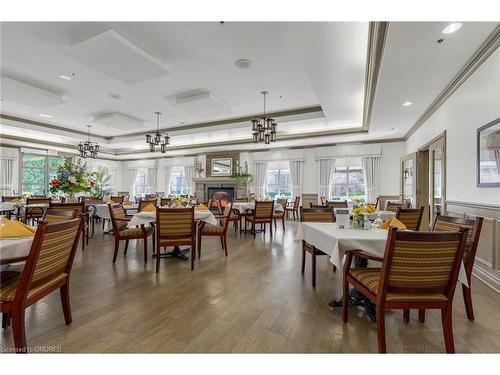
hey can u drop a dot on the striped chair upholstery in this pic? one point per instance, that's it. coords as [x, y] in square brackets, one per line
[217, 230]
[175, 227]
[10, 198]
[393, 206]
[317, 215]
[145, 202]
[55, 215]
[410, 217]
[116, 211]
[47, 268]
[80, 207]
[117, 198]
[419, 270]
[261, 214]
[337, 204]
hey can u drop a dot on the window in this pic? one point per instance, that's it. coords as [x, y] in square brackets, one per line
[141, 182]
[278, 182]
[37, 170]
[177, 183]
[348, 183]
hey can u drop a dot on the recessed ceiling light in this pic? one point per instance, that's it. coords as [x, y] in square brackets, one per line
[243, 63]
[44, 115]
[452, 27]
[407, 103]
[67, 77]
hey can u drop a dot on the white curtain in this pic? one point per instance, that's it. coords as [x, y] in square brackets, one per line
[152, 180]
[132, 176]
[188, 176]
[259, 179]
[371, 171]
[6, 175]
[168, 179]
[296, 168]
[326, 167]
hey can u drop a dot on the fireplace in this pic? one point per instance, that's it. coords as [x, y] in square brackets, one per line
[223, 194]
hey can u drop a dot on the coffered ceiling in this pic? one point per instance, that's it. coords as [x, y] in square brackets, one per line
[316, 74]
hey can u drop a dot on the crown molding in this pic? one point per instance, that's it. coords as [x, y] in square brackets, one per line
[377, 35]
[480, 56]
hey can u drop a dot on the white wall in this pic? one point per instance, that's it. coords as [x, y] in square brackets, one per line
[475, 103]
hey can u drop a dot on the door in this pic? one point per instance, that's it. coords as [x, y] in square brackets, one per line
[408, 178]
[437, 178]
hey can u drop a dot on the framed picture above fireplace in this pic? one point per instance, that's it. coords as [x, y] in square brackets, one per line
[221, 167]
[488, 155]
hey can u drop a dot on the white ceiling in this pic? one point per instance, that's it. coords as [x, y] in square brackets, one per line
[301, 64]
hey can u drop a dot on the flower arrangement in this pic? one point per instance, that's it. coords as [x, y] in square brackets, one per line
[198, 168]
[253, 197]
[71, 178]
[242, 176]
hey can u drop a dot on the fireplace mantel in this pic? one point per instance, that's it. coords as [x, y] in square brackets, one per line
[215, 180]
[201, 184]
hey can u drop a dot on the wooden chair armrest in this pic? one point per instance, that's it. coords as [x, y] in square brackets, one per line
[365, 255]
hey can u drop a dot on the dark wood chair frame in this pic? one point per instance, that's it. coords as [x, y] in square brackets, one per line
[250, 213]
[83, 214]
[400, 210]
[379, 299]
[144, 202]
[293, 207]
[223, 235]
[15, 310]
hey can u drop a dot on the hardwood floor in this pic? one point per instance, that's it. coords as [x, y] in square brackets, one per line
[255, 300]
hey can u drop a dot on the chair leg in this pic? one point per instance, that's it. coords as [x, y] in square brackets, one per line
[421, 316]
[448, 330]
[145, 249]
[303, 261]
[283, 222]
[270, 228]
[158, 259]
[64, 290]
[406, 315]
[117, 245]
[5, 320]
[222, 243]
[468, 301]
[19, 332]
[381, 329]
[345, 300]
[83, 239]
[225, 245]
[313, 271]
[126, 248]
[334, 268]
[275, 226]
[153, 241]
[254, 229]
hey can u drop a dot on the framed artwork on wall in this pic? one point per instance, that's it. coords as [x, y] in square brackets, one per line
[488, 155]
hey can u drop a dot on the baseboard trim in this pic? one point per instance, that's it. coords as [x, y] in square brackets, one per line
[487, 278]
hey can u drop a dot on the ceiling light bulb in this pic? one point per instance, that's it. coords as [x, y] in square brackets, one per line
[44, 115]
[452, 27]
[407, 103]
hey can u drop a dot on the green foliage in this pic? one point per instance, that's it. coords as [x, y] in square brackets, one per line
[242, 176]
[72, 178]
[102, 185]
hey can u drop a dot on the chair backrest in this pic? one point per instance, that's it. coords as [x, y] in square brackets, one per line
[51, 255]
[93, 200]
[449, 223]
[296, 203]
[80, 207]
[10, 198]
[53, 215]
[116, 211]
[227, 214]
[308, 199]
[422, 262]
[175, 223]
[264, 209]
[410, 217]
[323, 200]
[337, 204]
[150, 196]
[377, 202]
[241, 199]
[117, 198]
[393, 206]
[144, 202]
[166, 202]
[215, 205]
[320, 215]
[32, 200]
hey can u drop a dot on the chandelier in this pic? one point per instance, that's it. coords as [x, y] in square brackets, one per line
[88, 149]
[264, 127]
[154, 139]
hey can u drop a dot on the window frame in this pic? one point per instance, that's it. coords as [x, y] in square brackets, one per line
[46, 171]
[281, 189]
[347, 184]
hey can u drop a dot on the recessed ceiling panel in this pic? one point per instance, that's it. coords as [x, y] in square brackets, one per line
[201, 103]
[115, 56]
[118, 121]
[24, 93]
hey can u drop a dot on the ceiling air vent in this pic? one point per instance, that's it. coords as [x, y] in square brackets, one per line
[201, 103]
[119, 121]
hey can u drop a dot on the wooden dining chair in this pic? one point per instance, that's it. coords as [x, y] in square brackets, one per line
[175, 227]
[145, 202]
[377, 203]
[323, 200]
[262, 214]
[337, 204]
[280, 215]
[217, 230]
[419, 271]
[215, 206]
[449, 223]
[316, 215]
[393, 206]
[165, 202]
[47, 268]
[34, 214]
[119, 221]
[80, 207]
[52, 215]
[410, 217]
[117, 198]
[10, 198]
[293, 208]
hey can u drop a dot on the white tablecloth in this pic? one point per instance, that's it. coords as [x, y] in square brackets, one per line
[335, 242]
[150, 216]
[102, 210]
[242, 206]
[15, 247]
[6, 206]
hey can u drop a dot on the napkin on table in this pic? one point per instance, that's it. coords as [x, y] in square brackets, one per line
[149, 208]
[14, 228]
[392, 223]
[202, 207]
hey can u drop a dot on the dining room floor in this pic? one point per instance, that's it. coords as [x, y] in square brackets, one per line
[255, 300]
